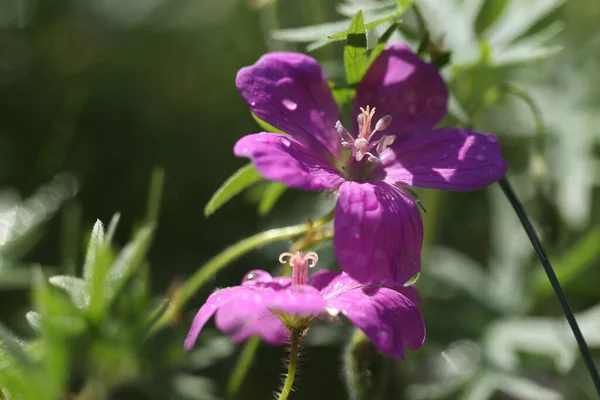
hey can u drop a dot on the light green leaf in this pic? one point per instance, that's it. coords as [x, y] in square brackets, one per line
[155, 190]
[112, 227]
[13, 345]
[96, 240]
[382, 42]
[75, 287]
[128, 261]
[273, 192]
[34, 319]
[267, 127]
[355, 51]
[242, 179]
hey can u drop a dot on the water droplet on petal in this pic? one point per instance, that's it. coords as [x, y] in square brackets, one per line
[285, 142]
[480, 157]
[289, 104]
[252, 104]
[491, 138]
[256, 275]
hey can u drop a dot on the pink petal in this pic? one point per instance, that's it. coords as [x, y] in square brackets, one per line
[400, 84]
[448, 158]
[290, 92]
[388, 318]
[378, 233]
[253, 311]
[214, 301]
[284, 159]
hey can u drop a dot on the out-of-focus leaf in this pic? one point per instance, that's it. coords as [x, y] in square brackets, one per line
[34, 319]
[267, 127]
[458, 270]
[240, 180]
[525, 389]
[517, 18]
[112, 227]
[572, 263]
[13, 345]
[382, 42]
[155, 190]
[96, 240]
[212, 348]
[269, 198]
[192, 387]
[453, 23]
[21, 220]
[506, 339]
[355, 51]
[128, 260]
[75, 287]
[349, 8]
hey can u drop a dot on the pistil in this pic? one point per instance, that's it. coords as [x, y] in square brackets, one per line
[300, 263]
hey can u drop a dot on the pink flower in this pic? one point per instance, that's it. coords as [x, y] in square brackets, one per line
[268, 306]
[392, 145]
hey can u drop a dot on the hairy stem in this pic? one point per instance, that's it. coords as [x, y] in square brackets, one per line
[291, 373]
[535, 241]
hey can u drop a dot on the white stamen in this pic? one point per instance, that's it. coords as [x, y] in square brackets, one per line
[362, 145]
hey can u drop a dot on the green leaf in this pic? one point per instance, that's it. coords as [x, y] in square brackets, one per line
[13, 345]
[155, 190]
[96, 240]
[269, 198]
[355, 51]
[75, 287]
[344, 34]
[128, 260]
[382, 42]
[240, 180]
[571, 264]
[112, 227]
[267, 127]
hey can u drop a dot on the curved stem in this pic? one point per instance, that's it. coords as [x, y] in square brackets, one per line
[291, 374]
[242, 367]
[221, 260]
[535, 241]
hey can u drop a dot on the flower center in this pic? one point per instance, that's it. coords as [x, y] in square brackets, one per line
[362, 145]
[300, 263]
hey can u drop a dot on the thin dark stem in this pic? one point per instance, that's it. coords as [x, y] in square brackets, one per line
[535, 241]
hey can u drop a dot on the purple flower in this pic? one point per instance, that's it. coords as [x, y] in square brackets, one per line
[378, 231]
[268, 307]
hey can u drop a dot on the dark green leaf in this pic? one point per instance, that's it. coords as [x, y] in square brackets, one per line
[242, 179]
[355, 51]
[155, 190]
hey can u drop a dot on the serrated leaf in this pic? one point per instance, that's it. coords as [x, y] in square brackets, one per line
[242, 179]
[96, 240]
[382, 42]
[355, 51]
[75, 287]
[267, 127]
[269, 198]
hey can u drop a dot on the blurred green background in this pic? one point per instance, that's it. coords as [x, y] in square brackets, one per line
[101, 91]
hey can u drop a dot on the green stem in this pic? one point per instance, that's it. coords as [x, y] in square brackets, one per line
[242, 367]
[291, 374]
[221, 260]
